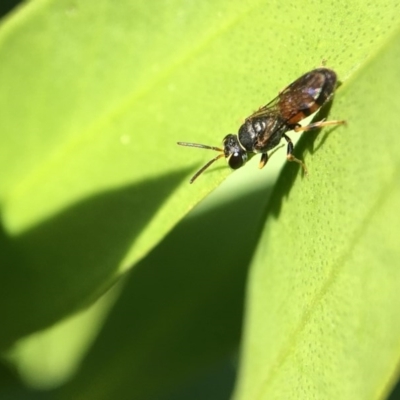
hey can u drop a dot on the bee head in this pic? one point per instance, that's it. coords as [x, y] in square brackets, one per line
[234, 153]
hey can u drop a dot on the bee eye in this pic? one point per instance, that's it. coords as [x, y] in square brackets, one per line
[236, 161]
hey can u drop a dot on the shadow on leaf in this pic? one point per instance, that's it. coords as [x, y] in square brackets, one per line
[47, 271]
[180, 311]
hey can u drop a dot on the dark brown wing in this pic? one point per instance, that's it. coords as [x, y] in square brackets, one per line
[306, 95]
[301, 98]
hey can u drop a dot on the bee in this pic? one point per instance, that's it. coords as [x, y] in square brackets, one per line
[263, 130]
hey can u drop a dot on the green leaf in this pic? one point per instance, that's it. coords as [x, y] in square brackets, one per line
[95, 180]
[93, 166]
[322, 312]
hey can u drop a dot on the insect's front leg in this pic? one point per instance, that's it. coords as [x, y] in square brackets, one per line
[290, 156]
[263, 160]
[319, 124]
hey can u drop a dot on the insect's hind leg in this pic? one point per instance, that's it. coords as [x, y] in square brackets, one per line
[318, 124]
[291, 157]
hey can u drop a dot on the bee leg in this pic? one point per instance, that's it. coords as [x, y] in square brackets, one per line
[319, 124]
[290, 156]
[263, 160]
[265, 157]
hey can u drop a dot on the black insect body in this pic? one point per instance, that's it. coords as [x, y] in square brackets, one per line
[264, 129]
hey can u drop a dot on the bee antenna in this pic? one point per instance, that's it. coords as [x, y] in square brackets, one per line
[203, 146]
[200, 146]
[202, 169]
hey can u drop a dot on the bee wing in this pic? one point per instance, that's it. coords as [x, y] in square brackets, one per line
[293, 101]
[297, 102]
[301, 98]
[269, 110]
[306, 95]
